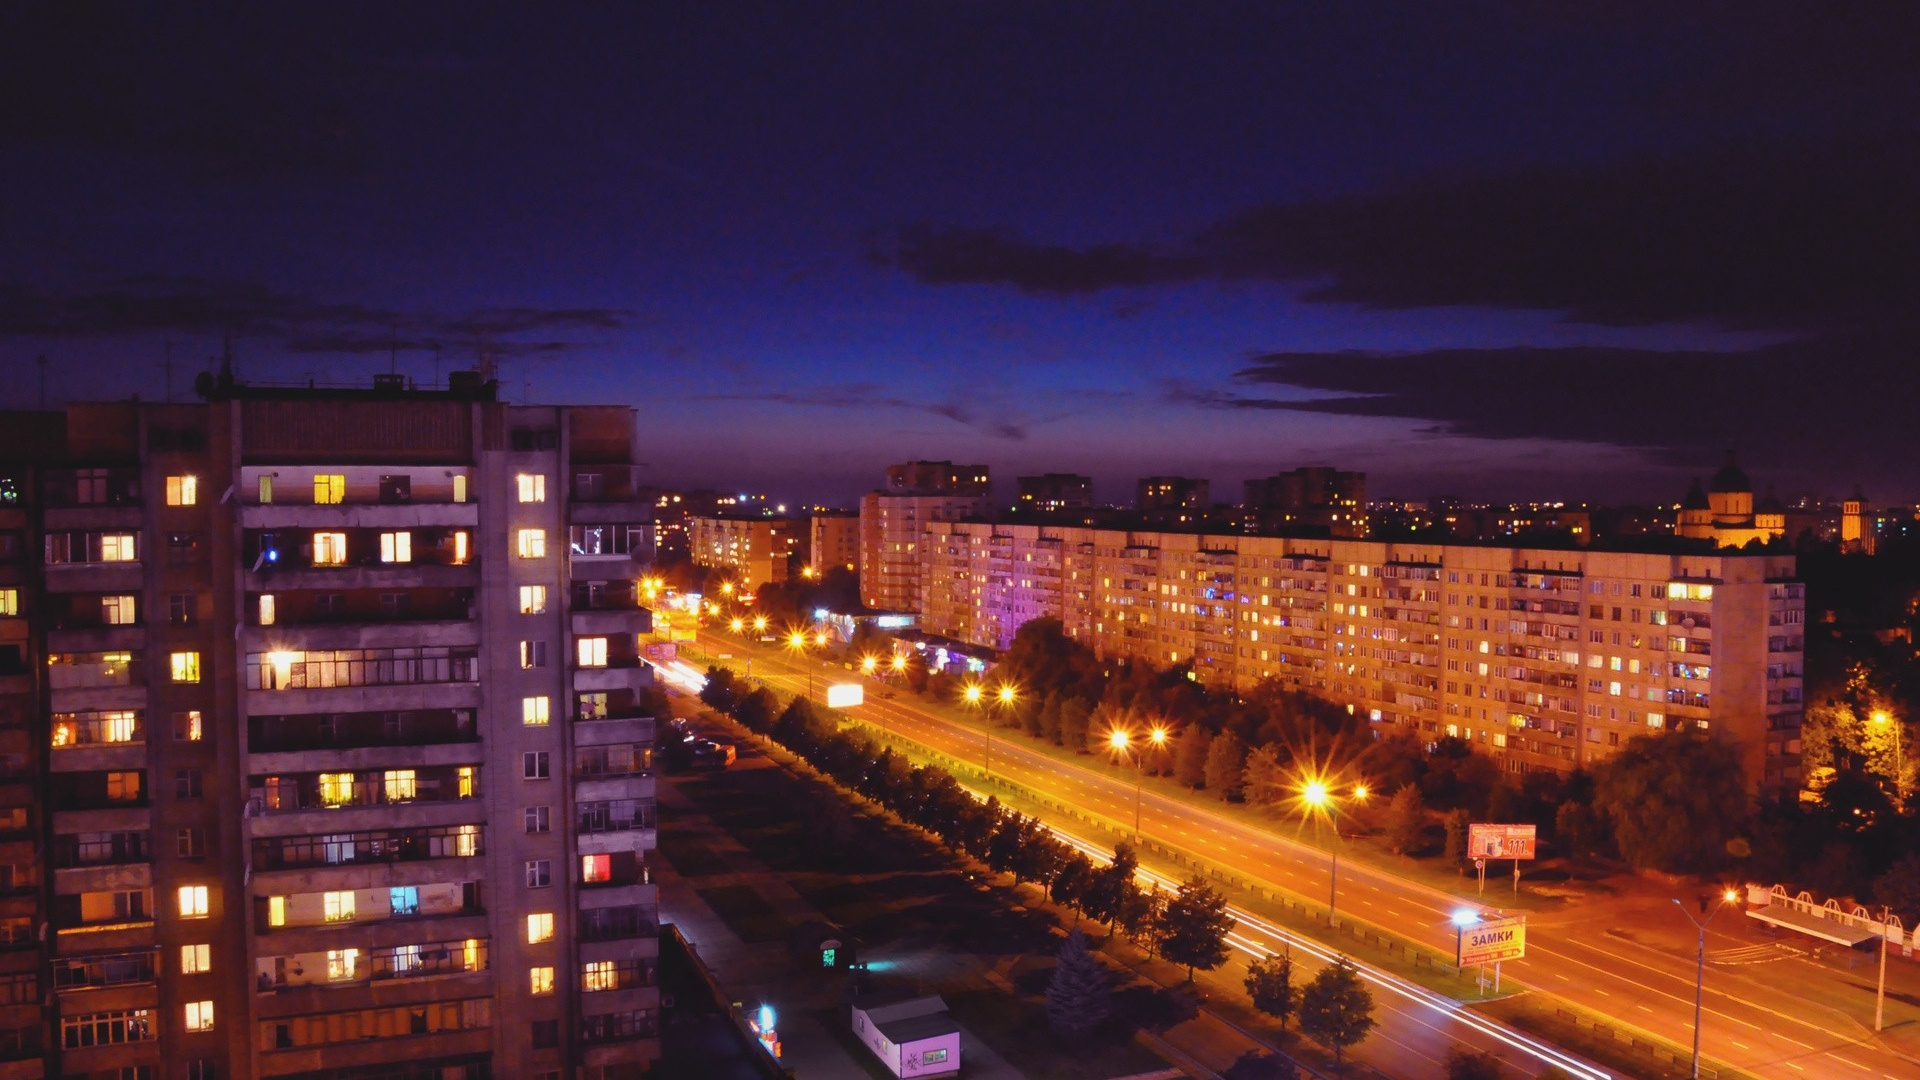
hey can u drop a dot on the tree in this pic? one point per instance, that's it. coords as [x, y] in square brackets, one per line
[1226, 764]
[1110, 884]
[1075, 714]
[1270, 985]
[1194, 927]
[1190, 756]
[1078, 995]
[719, 692]
[1465, 1064]
[1140, 914]
[1071, 882]
[1899, 888]
[1675, 799]
[1457, 822]
[1050, 719]
[1407, 820]
[757, 710]
[1579, 829]
[1336, 1008]
[1266, 777]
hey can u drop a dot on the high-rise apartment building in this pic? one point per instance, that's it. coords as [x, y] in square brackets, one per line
[1161, 493]
[835, 541]
[339, 705]
[752, 550]
[1052, 491]
[1315, 498]
[917, 493]
[1548, 658]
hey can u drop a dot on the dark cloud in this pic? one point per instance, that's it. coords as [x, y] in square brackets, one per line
[1806, 409]
[1772, 236]
[873, 396]
[155, 304]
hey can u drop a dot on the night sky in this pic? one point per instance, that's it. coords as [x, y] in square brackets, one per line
[1479, 249]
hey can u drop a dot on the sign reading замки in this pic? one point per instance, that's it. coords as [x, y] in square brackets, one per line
[1493, 940]
[1500, 841]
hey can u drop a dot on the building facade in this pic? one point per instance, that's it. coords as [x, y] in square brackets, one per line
[834, 541]
[753, 550]
[1052, 491]
[1547, 658]
[348, 773]
[917, 493]
[1315, 497]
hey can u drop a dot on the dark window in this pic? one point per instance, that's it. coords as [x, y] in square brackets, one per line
[396, 489]
[186, 783]
[546, 1033]
[192, 843]
[180, 609]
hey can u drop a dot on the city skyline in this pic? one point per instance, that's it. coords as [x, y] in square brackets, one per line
[1501, 254]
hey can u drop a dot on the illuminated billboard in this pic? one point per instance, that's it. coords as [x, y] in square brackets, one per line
[1493, 940]
[1500, 841]
[845, 695]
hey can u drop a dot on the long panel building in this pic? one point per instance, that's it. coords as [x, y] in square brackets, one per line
[1548, 658]
[335, 701]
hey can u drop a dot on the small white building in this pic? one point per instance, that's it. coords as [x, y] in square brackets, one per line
[914, 1037]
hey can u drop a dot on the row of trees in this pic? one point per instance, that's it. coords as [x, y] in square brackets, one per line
[1188, 927]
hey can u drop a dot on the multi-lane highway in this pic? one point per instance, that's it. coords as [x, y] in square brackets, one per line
[1788, 1018]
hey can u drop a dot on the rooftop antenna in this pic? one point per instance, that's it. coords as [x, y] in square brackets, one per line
[436, 363]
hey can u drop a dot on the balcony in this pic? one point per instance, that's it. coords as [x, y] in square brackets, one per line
[408, 605]
[96, 972]
[345, 790]
[345, 968]
[340, 731]
[616, 924]
[615, 815]
[372, 847]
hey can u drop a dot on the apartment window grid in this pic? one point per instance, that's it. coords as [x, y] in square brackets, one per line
[530, 543]
[533, 599]
[536, 711]
[538, 819]
[183, 490]
[539, 873]
[535, 765]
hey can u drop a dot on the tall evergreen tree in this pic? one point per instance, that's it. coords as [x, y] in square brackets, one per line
[1190, 756]
[1266, 781]
[1226, 764]
[1336, 1008]
[1406, 820]
[1079, 996]
[1194, 927]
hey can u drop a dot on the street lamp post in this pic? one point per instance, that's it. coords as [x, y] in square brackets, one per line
[1319, 798]
[1122, 743]
[1881, 716]
[1700, 966]
[797, 642]
[972, 697]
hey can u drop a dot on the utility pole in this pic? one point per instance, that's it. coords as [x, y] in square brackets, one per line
[1700, 968]
[1880, 992]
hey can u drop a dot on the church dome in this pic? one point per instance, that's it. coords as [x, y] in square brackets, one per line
[1729, 478]
[1696, 498]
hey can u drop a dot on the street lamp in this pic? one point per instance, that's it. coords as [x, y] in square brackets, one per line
[760, 623]
[1319, 798]
[737, 625]
[1700, 965]
[971, 695]
[1122, 743]
[797, 644]
[868, 664]
[1882, 717]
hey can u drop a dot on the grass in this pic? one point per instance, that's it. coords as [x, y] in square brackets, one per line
[1018, 1029]
[745, 912]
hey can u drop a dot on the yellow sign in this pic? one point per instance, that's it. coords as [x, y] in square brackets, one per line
[1493, 940]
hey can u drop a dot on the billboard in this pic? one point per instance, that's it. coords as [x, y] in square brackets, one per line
[845, 695]
[1493, 940]
[1500, 841]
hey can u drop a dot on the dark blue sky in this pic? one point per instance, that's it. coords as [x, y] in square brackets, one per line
[1486, 249]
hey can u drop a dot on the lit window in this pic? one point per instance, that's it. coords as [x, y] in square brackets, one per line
[338, 905]
[266, 490]
[533, 599]
[534, 711]
[329, 489]
[117, 610]
[342, 964]
[404, 900]
[532, 489]
[470, 955]
[400, 785]
[117, 547]
[460, 548]
[533, 654]
[9, 601]
[193, 901]
[276, 911]
[466, 842]
[464, 784]
[460, 488]
[539, 927]
[396, 547]
[185, 667]
[596, 868]
[183, 490]
[336, 788]
[598, 975]
[268, 609]
[329, 549]
[196, 959]
[187, 726]
[531, 543]
[199, 1016]
[593, 651]
[405, 958]
[542, 981]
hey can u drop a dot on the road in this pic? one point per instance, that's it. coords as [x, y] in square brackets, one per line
[1774, 1015]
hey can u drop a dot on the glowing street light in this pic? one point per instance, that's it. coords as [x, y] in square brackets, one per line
[1700, 964]
[1120, 741]
[1319, 798]
[900, 663]
[737, 625]
[1006, 694]
[868, 663]
[760, 622]
[797, 643]
[1882, 718]
[971, 695]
